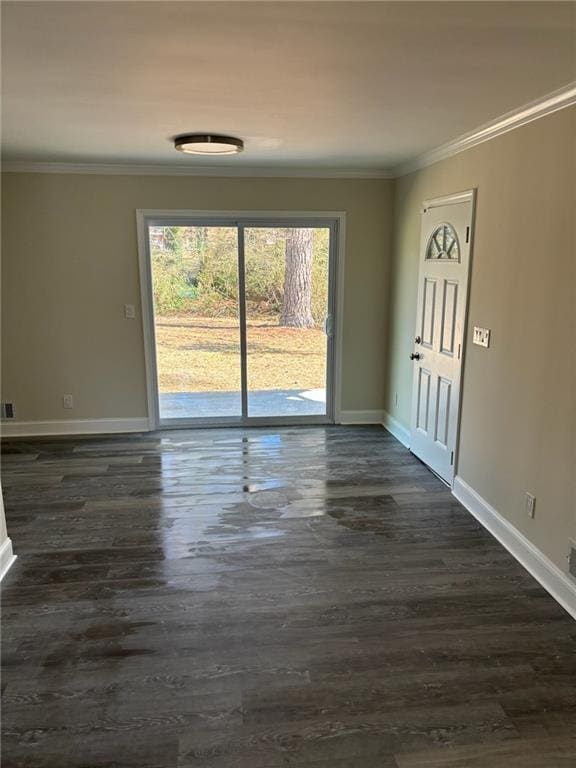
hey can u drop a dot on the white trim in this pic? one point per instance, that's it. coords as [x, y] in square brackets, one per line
[247, 217]
[361, 417]
[148, 326]
[552, 102]
[7, 557]
[468, 196]
[472, 193]
[335, 219]
[554, 581]
[225, 171]
[398, 430]
[339, 288]
[73, 427]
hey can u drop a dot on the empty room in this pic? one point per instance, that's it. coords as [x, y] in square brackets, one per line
[288, 384]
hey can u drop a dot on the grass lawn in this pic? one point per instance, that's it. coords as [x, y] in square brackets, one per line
[202, 354]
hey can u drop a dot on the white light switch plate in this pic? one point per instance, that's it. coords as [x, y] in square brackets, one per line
[481, 337]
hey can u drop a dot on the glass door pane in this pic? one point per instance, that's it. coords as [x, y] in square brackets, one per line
[287, 289]
[195, 288]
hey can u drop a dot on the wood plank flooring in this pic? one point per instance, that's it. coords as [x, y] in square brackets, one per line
[309, 597]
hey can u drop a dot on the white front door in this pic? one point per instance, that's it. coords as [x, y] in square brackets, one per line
[440, 319]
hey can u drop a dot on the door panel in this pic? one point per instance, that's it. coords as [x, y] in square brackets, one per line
[441, 311]
[450, 305]
[197, 325]
[423, 414]
[443, 411]
[428, 312]
[287, 302]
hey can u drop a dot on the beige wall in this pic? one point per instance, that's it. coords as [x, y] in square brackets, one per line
[518, 417]
[70, 264]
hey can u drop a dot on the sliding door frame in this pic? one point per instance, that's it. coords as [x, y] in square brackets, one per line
[335, 221]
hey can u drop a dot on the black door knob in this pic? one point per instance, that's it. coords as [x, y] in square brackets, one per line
[415, 356]
[418, 339]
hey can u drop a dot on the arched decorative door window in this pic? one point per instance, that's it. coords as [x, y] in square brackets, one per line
[443, 244]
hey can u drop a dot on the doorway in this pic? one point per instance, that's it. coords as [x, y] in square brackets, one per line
[438, 352]
[239, 317]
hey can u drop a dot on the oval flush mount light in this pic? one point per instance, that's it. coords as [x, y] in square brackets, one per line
[208, 144]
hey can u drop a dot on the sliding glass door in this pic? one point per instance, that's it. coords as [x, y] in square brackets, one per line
[196, 321]
[286, 292]
[241, 319]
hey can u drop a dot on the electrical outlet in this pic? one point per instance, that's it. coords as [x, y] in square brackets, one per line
[67, 401]
[531, 505]
[129, 311]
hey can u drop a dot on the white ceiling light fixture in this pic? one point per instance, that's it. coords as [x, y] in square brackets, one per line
[208, 144]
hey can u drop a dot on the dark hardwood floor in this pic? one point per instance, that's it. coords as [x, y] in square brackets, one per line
[307, 597]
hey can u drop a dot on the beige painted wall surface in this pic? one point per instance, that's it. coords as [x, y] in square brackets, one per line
[518, 419]
[70, 264]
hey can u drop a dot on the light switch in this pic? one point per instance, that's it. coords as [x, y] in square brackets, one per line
[129, 311]
[481, 337]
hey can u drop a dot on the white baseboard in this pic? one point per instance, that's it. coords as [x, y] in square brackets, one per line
[73, 427]
[558, 584]
[398, 430]
[361, 417]
[7, 557]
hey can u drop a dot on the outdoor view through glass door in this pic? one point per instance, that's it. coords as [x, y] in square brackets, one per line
[286, 309]
[197, 321]
[240, 319]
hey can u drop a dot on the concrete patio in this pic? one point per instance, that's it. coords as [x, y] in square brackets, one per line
[275, 402]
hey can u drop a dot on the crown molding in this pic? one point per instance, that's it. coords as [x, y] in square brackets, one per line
[126, 169]
[552, 102]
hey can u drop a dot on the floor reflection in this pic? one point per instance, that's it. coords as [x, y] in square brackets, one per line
[264, 598]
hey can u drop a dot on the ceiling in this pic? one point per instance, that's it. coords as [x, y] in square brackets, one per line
[319, 84]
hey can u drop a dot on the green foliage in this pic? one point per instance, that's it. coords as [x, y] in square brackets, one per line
[195, 271]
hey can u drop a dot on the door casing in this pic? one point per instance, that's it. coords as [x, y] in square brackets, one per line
[335, 220]
[468, 196]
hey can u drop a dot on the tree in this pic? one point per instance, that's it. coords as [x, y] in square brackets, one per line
[297, 304]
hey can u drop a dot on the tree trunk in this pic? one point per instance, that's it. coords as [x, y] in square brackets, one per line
[297, 305]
